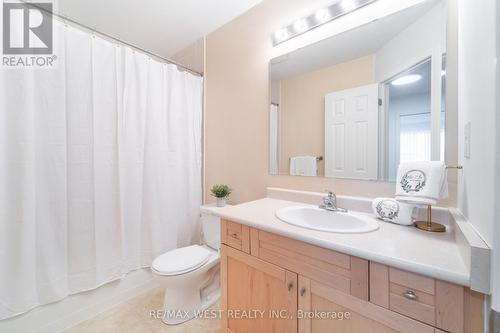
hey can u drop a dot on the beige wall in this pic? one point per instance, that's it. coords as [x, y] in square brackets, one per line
[193, 56]
[237, 106]
[302, 107]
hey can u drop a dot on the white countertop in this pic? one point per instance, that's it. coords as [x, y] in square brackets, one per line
[432, 254]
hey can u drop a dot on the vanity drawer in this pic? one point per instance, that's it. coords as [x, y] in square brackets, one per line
[340, 271]
[235, 235]
[428, 300]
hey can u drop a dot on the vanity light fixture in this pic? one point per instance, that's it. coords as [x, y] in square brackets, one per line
[300, 25]
[407, 79]
[320, 17]
[348, 5]
[280, 35]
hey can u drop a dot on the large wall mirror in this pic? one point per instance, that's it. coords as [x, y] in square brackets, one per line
[357, 104]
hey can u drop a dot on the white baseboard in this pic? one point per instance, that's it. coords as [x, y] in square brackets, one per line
[74, 309]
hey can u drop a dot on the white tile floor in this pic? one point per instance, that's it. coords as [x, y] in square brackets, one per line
[134, 317]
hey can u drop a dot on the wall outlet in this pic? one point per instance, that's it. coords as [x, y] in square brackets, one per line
[467, 140]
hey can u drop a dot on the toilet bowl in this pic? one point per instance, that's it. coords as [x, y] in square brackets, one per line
[190, 275]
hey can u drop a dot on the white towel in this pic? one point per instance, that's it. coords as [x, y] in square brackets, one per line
[422, 182]
[303, 166]
[390, 210]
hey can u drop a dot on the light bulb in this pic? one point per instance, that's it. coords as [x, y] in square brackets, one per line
[347, 5]
[322, 15]
[300, 25]
[281, 34]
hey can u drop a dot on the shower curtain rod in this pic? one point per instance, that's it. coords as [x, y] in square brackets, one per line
[67, 19]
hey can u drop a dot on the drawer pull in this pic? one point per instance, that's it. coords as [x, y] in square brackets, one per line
[290, 286]
[410, 295]
[233, 234]
[302, 291]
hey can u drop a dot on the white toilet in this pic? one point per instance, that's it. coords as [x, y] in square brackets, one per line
[190, 274]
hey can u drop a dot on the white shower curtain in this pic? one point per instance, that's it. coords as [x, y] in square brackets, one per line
[100, 168]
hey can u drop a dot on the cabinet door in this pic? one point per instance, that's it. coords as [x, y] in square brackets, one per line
[324, 309]
[256, 296]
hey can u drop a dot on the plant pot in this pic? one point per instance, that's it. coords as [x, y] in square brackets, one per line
[221, 202]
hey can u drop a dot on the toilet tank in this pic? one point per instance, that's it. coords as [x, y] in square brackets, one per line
[210, 224]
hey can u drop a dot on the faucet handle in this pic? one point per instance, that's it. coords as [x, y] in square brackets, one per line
[330, 194]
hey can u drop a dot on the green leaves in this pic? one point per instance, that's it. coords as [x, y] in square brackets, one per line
[220, 191]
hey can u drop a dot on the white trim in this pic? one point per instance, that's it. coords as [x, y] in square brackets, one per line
[408, 65]
[436, 97]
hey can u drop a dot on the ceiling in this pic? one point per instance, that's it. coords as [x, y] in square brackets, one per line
[163, 27]
[422, 86]
[365, 40]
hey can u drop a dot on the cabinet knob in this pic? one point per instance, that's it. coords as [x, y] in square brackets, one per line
[409, 294]
[302, 291]
[290, 286]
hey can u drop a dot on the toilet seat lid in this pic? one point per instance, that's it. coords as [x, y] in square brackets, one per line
[182, 260]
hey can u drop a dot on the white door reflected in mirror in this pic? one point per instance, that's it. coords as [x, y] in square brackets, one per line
[351, 133]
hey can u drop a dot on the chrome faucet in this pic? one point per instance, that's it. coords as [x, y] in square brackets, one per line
[330, 203]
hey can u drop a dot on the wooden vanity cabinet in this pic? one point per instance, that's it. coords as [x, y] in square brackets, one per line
[347, 313]
[447, 306]
[257, 296]
[235, 235]
[288, 282]
[340, 271]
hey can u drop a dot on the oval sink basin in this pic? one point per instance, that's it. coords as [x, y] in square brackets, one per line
[315, 218]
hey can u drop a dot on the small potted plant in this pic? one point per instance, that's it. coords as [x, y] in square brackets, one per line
[221, 192]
